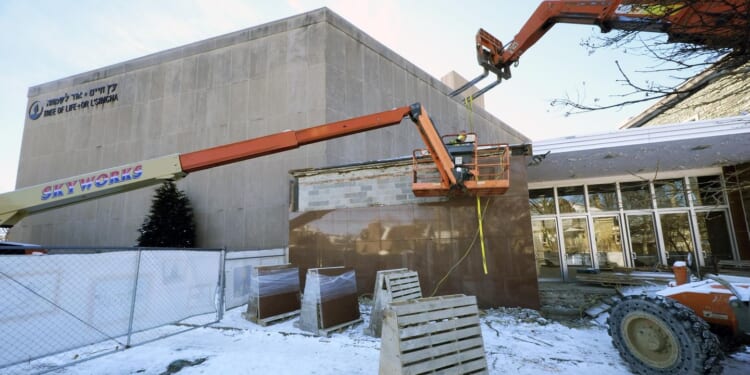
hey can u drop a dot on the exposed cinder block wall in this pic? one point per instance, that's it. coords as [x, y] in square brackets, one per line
[302, 71]
[356, 186]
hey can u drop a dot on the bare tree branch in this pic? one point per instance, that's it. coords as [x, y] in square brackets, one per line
[682, 54]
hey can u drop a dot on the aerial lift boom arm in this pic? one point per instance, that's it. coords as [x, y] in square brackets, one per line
[714, 23]
[17, 204]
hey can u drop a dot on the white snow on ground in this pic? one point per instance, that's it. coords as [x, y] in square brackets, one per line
[517, 341]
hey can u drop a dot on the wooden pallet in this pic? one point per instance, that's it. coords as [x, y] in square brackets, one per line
[620, 278]
[737, 264]
[338, 328]
[391, 286]
[433, 335]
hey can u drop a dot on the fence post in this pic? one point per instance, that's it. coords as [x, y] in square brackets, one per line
[132, 300]
[221, 288]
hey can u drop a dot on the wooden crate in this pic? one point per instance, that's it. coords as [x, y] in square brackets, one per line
[391, 286]
[433, 335]
[274, 294]
[330, 300]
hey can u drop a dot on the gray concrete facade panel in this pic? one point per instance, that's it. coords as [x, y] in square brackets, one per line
[290, 74]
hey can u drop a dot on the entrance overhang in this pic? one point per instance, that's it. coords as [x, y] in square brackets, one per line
[638, 151]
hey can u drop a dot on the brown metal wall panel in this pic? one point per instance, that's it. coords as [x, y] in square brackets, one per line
[277, 289]
[430, 239]
[278, 304]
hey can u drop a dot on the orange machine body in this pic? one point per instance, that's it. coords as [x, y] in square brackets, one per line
[709, 300]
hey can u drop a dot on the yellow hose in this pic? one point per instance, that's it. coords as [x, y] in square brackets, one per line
[469, 102]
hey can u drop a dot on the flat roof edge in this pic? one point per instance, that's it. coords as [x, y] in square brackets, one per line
[646, 135]
[206, 45]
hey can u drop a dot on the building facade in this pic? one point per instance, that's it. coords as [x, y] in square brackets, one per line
[302, 71]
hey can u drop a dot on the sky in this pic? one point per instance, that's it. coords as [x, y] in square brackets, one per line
[43, 41]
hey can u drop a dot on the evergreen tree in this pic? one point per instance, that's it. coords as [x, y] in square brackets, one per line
[170, 221]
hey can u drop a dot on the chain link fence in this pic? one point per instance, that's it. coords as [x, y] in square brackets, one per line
[93, 302]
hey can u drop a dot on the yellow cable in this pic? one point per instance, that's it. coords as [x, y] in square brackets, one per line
[469, 102]
[466, 253]
[481, 235]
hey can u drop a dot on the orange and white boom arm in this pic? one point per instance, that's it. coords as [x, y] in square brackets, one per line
[17, 204]
[715, 23]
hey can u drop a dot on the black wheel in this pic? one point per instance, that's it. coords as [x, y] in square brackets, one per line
[657, 335]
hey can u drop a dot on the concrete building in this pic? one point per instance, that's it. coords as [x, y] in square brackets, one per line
[631, 198]
[295, 73]
[302, 71]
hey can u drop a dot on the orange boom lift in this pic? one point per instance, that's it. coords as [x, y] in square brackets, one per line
[439, 170]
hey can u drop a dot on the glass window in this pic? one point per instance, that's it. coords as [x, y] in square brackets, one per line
[635, 195]
[715, 241]
[603, 197]
[577, 248]
[542, 201]
[706, 191]
[571, 199]
[678, 239]
[670, 193]
[546, 249]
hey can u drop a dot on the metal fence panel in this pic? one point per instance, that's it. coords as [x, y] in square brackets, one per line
[174, 285]
[54, 303]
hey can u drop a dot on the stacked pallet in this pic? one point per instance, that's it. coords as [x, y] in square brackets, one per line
[433, 335]
[391, 286]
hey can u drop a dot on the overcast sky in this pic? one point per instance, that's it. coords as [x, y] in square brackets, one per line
[43, 41]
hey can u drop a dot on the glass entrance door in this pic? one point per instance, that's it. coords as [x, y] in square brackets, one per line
[546, 249]
[607, 237]
[642, 235]
[577, 247]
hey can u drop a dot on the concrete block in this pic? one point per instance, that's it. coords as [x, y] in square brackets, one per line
[220, 68]
[297, 47]
[156, 89]
[335, 86]
[172, 78]
[240, 63]
[203, 72]
[354, 96]
[143, 86]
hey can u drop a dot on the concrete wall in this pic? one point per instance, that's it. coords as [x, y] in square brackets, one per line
[362, 76]
[298, 72]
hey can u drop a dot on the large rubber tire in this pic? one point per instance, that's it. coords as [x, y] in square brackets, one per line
[657, 335]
